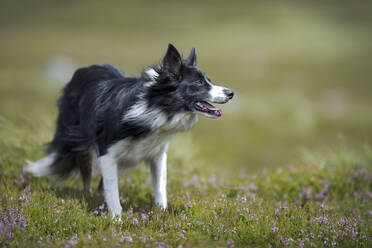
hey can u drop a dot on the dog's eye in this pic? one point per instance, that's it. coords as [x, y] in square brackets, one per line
[199, 83]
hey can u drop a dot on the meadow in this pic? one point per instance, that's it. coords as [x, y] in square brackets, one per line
[288, 164]
[325, 202]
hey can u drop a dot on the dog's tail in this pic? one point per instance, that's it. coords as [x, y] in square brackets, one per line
[42, 167]
[52, 164]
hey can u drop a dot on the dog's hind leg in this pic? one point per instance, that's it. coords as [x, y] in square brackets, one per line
[85, 164]
[100, 185]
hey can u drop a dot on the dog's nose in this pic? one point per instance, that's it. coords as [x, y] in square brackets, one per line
[229, 93]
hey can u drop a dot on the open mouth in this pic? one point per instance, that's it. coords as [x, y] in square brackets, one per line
[208, 109]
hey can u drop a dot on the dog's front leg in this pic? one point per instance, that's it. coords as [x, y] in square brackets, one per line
[109, 171]
[158, 167]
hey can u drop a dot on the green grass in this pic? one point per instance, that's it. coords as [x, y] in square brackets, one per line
[326, 202]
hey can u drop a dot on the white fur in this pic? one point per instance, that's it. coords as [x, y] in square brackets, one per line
[152, 148]
[41, 167]
[132, 151]
[136, 111]
[109, 171]
[181, 122]
[140, 112]
[155, 118]
[158, 167]
[153, 75]
[217, 94]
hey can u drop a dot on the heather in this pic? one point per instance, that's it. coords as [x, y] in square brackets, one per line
[325, 202]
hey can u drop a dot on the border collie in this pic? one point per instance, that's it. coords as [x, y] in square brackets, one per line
[126, 120]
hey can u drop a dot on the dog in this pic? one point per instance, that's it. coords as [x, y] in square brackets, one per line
[127, 120]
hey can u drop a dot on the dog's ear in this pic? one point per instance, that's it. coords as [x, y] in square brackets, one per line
[191, 60]
[172, 60]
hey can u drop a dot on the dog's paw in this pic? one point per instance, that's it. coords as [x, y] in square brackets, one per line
[117, 219]
[163, 206]
[116, 214]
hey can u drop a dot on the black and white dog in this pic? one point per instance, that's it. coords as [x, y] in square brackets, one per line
[127, 120]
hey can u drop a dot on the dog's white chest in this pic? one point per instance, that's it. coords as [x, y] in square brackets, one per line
[129, 152]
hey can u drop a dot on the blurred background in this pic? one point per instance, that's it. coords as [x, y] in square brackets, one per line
[301, 70]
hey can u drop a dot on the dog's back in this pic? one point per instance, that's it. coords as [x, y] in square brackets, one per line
[76, 102]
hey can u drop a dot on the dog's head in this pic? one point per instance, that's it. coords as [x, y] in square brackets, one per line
[180, 85]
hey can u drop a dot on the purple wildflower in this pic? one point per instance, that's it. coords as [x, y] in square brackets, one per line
[126, 238]
[353, 233]
[194, 181]
[212, 179]
[368, 194]
[341, 222]
[284, 240]
[252, 196]
[322, 193]
[74, 239]
[230, 243]
[252, 187]
[144, 239]
[134, 221]
[301, 244]
[356, 193]
[143, 216]
[27, 190]
[21, 178]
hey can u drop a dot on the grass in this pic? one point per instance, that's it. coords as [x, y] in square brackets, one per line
[326, 202]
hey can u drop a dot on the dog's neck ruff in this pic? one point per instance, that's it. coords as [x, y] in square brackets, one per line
[157, 120]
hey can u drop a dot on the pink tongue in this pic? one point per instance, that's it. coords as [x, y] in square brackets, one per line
[212, 108]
